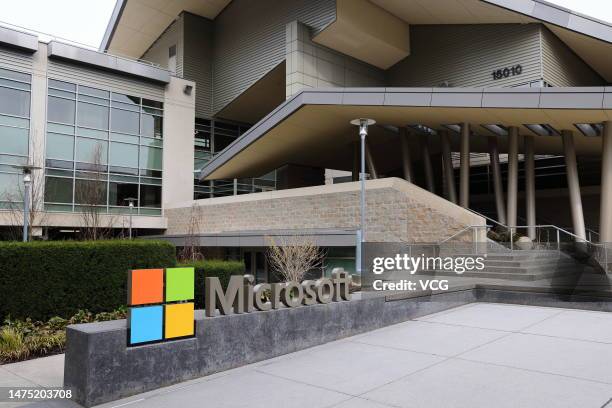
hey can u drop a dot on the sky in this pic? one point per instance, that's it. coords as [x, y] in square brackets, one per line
[85, 21]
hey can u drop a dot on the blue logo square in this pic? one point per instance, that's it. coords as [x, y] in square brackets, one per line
[146, 324]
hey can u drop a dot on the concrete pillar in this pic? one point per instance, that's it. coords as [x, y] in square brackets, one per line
[497, 180]
[406, 160]
[447, 160]
[464, 170]
[370, 162]
[513, 134]
[605, 211]
[426, 156]
[530, 187]
[573, 184]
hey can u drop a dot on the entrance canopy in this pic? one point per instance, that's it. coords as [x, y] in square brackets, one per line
[312, 128]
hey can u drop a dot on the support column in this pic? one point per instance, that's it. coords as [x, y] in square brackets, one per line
[605, 210]
[464, 170]
[497, 180]
[406, 160]
[447, 160]
[513, 134]
[530, 187]
[573, 184]
[370, 162]
[429, 177]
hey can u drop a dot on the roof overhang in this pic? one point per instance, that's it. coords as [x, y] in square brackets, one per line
[18, 39]
[107, 62]
[313, 129]
[136, 24]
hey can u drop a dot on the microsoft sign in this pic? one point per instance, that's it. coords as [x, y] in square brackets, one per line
[161, 301]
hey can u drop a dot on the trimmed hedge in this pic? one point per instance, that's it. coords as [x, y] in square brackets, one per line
[44, 279]
[213, 267]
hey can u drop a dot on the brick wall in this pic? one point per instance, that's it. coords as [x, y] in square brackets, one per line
[395, 211]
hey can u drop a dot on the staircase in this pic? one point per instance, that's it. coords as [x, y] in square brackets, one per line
[530, 265]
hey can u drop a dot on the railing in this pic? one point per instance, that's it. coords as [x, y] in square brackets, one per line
[477, 239]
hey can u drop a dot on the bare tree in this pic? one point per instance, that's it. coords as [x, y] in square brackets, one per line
[293, 257]
[90, 195]
[191, 251]
[15, 199]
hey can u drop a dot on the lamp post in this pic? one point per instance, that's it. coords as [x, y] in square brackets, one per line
[27, 184]
[363, 124]
[130, 201]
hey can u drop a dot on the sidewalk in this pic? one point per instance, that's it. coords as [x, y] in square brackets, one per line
[478, 355]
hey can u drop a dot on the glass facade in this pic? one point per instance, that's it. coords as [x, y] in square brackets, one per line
[102, 147]
[15, 89]
[211, 137]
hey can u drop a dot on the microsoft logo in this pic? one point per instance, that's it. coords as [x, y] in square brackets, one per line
[160, 304]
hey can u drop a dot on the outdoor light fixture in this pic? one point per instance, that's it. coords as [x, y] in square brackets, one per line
[363, 124]
[542, 129]
[130, 201]
[27, 183]
[590, 129]
[454, 128]
[423, 129]
[188, 89]
[499, 130]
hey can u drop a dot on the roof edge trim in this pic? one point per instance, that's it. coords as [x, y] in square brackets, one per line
[112, 24]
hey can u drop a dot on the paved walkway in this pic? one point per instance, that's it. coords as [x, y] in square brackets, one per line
[478, 355]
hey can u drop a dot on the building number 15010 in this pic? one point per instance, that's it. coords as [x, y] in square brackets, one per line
[507, 72]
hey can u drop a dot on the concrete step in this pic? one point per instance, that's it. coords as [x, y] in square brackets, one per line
[530, 276]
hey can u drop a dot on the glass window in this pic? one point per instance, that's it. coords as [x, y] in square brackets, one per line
[152, 125]
[14, 102]
[60, 110]
[91, 151]
[86, 90]
[222, 141]
[18, 76]
[91, 192]
[127, 99]
[60, 146]
[153, 104]
[92, 116]
[54, 83]
[150, 196]
[96, 134]
[58, 190]
[118, 192]
[57, 128]
[14, 84]
[13, 140]
[10, 187]
[150, 158]
[124, 121]
[124, 155]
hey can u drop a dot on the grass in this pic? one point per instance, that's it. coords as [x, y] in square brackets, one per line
[24, 339]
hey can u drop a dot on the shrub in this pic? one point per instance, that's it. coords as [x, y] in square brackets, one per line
[43, 279]
[209, 268]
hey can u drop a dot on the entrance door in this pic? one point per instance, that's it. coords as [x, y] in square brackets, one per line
[255, 264]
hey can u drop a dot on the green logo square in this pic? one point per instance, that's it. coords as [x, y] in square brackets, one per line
[179, 284]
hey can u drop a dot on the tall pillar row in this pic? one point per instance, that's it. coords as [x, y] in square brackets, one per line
[447, 160]
[405, 150]
[464, 169]
[426, 156]
[513, 134]
[605, 211]
[530, 187]
[573, 184]
[497, 180]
